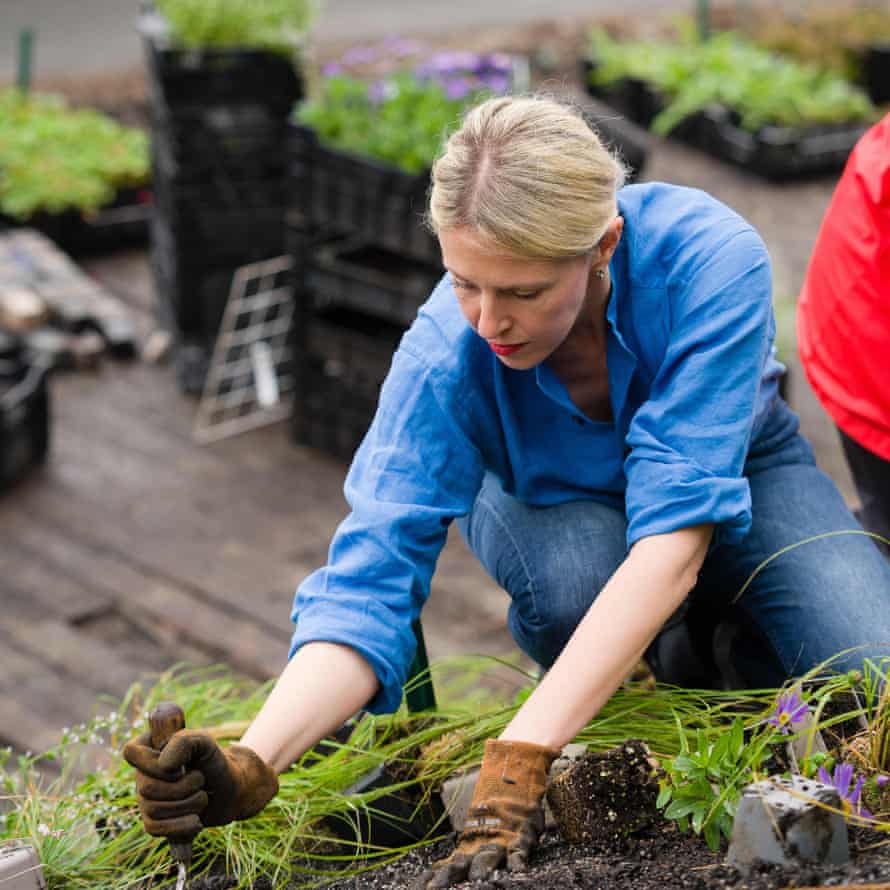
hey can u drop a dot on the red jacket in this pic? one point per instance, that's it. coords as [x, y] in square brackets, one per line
[843, 316]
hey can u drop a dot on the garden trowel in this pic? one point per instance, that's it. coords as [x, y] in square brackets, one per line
[164, 720]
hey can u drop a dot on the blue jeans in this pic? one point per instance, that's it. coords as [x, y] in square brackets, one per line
[805, 606]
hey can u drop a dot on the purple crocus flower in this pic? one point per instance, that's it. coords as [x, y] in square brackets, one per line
[360, 55]
[497, 83]
[379, 91]
[331, 69]
[882, 780]
[850, 799]
[790, 709]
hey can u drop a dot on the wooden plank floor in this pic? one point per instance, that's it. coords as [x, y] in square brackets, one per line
[135, 548]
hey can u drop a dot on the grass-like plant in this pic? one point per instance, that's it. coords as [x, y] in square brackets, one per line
[761, 87]
[53, 157]
[274, 25]
[88, 832]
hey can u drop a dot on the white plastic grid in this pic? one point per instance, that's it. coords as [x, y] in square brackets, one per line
[250, 381]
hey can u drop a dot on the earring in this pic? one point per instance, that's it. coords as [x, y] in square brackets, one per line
[600, 273]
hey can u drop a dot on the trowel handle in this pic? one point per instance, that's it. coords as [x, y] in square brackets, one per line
[164, 720]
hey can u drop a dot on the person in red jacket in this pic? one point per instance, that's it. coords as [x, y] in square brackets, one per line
[843, 321]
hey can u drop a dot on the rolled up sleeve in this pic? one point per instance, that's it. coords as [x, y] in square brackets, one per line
[688, 441]
[415, 471]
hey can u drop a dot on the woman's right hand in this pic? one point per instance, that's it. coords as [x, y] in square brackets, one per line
[194, 783]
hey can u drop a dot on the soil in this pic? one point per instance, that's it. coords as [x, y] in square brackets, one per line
[606, 804]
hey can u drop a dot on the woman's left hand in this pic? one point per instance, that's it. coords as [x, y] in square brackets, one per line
[504, 819]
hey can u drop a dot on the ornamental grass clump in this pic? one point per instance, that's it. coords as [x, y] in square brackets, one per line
[55, 158]
[761, 88]
[87, 830]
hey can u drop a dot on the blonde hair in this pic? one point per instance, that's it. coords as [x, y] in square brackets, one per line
[529, 174]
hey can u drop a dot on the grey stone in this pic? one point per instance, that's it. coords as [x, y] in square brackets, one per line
[788, 821]
[20, 868]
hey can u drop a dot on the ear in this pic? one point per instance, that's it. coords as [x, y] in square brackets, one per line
[610, 239]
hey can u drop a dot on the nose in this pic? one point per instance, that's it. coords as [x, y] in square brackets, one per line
[492, 320]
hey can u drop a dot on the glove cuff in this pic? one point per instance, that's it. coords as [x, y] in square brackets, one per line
[514, 769]
[255, 780]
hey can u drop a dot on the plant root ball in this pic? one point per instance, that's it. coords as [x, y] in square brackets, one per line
[605, 797]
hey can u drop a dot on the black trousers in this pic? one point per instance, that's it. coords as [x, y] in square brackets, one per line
[871, 474]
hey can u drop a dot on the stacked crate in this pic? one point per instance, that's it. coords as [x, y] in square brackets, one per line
[219, 160]
[367, 265]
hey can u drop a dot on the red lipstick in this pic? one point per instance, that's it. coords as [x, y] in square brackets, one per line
[505, 350]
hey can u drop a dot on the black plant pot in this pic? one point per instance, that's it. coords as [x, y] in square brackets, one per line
[393, 820]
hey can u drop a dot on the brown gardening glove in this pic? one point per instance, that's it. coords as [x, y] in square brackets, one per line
[504, 819]
[194, 784]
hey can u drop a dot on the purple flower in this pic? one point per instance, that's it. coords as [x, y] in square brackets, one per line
[331, 69]
[457, 88]
[360, 55]
[850, 800]
[400, 47]
[882, 780]
[790, 709]
[379, 91]
[497, 83]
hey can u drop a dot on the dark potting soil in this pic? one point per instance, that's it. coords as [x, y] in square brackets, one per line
[656, 858]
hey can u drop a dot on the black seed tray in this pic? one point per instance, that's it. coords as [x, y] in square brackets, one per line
[363, 196]
[24, 412]
[371, 279]
[122, 223]
[776, 153]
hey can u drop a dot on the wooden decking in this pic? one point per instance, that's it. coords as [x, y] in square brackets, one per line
[135, 548]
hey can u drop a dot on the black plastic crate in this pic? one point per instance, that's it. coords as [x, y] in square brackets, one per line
[370, 279]
[244, 142]
[24, 412]
[362, 196]
[191, 79]
[342, 362]
[876, 70]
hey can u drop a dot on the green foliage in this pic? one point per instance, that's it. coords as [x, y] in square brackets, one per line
[761, 87]
[704, 782]
[831, 37]
[404, 124]
[275, 25]
[53, 157]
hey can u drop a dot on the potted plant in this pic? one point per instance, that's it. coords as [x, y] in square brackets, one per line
[727, 96]
[75, 174]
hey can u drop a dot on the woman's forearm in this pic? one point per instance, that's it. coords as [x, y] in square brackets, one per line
[636, 601]
[322, 686]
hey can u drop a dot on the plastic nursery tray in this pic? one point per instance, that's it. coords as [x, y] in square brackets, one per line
[121, 223]
[362, 196]
[371, 279]
[24, 412]
[772, 152]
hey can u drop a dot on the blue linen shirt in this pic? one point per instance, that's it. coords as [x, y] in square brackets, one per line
[691, 372]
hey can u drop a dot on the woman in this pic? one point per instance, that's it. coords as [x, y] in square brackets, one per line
[843, 320]
[591, 393]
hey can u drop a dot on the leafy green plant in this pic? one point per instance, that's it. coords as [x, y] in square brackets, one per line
[401, 121]
[53, 157]
[728, 70]
[704, 782]
[275, 25]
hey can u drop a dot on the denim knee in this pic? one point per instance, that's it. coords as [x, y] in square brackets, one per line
[552, 561]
